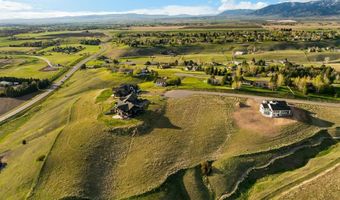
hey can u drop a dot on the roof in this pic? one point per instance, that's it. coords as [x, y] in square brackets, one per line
[278, 105]
[265, 105]
[130, 98]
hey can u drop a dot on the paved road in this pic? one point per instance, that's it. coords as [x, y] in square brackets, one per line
[47, 92]
[186, 93]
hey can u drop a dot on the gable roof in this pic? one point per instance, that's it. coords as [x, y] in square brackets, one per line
[278, 105]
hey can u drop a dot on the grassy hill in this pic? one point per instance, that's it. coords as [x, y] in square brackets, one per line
[84, 156]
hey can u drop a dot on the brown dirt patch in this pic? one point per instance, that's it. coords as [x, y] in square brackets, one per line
[7, 104]
[249, 117]
[48, 69]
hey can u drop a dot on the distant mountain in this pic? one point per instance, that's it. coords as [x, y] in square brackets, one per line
[313, 9]
[323, 8]
[237, 12]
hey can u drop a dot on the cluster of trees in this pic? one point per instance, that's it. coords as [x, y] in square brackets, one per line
[174, 81]
[139, 39]
[91, 42]
[68, 49]
[305, 79]
[190, 63]
[216, 71]
[26, 86]
[43, 44]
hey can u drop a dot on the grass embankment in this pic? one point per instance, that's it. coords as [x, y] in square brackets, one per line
[88, 160]
[280, 184]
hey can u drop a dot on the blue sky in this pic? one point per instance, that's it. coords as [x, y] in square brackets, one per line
[11, 9]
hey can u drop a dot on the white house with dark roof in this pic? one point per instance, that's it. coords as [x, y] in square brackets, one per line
[275, 109]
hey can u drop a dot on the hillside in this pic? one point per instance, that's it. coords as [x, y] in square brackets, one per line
[295, 9]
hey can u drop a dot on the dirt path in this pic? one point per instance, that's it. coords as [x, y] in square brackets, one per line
[186, 93]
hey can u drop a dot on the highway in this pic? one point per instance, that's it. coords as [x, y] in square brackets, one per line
[49, 91]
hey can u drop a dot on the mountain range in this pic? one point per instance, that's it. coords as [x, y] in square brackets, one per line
[312, 9]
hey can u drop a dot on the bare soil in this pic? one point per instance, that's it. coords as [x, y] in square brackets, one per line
[249, 117]
[7, 104]
[48, 69]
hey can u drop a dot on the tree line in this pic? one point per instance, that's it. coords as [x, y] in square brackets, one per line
[26, 86]
[140, 39]
[37, 44]
[68, 49]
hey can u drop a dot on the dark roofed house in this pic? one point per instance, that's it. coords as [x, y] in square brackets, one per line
[161, 82]
[275, 109]
[261, 84]
[144, 72]
[165, 66]
[130, 106]
[126, 89]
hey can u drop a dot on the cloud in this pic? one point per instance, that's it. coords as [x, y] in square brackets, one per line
[6, 5]
[177, 10]
[167, 10]
[233, 5]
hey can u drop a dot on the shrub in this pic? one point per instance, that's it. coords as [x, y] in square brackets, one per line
[206, 168]
[41, 158]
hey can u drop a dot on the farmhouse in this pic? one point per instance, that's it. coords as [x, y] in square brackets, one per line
[130, 106]
[275, 109]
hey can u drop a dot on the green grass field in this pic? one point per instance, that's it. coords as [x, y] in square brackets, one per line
[28, 68]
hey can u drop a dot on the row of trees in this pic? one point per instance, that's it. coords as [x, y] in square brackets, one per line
[68, 49]
[26, 86]
[137, 39]
[43, 44]
[91, 42]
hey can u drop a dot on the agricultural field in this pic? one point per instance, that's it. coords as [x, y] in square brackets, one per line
[209, 143]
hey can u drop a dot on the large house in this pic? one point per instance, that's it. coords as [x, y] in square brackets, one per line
[126, 89]
[275, 109]
[130, 106]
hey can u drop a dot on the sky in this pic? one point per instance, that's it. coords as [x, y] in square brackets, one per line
[29, 9]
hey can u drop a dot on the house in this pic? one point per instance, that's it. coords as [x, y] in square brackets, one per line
[247, 82]
[143, 72]
[125, 71]
[126, 89]
[239, 53]
[6, 84]
[261, 84]
[275, 109]
[161, 82]
[130, 106]
[193, 68]
[165, 66]
[129, 63]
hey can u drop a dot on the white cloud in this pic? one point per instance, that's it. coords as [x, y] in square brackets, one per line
[167, 10]
[6, 5]
[233, 5]
[177, 10]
